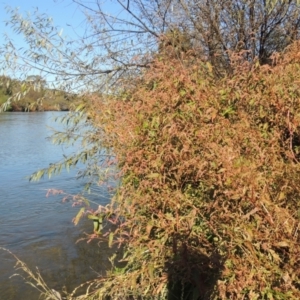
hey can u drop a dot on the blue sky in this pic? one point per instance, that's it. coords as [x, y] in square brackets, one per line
[68, 16]
[63, 12]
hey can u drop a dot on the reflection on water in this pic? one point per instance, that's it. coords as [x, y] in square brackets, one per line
[35, 228]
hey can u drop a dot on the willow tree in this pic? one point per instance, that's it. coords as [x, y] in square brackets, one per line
[120, 44]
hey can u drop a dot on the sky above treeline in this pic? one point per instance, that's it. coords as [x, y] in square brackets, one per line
[65, 14]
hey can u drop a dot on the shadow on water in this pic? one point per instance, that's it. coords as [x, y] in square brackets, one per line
[193, 276]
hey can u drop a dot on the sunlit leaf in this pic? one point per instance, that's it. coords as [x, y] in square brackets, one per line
[110, 239]
[79, 215]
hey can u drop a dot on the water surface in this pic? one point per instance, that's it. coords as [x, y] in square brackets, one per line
[36, 228]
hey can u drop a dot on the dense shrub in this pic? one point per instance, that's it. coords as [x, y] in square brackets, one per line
[210, 173]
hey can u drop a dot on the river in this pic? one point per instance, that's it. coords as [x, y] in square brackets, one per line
[36, 228]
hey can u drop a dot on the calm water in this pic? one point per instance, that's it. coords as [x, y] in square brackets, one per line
[38, 229]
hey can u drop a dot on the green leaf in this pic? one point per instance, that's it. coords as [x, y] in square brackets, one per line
[97, 226]
[80, 107]
[110, 239]
[93, 217]
[79, 216]
[182, 93]
[153, 175]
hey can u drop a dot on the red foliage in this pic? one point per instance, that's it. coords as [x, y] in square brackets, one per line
[210, 179]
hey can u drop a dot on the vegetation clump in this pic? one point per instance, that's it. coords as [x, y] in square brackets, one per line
[209, 189]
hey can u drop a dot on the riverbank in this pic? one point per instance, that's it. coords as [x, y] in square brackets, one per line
[51, 104]
[33, 104]
[33, 107]
[34, 99]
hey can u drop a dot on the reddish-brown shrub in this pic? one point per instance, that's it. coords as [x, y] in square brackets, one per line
[210, 178]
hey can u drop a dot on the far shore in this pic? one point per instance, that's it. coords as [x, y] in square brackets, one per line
[16, 107]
